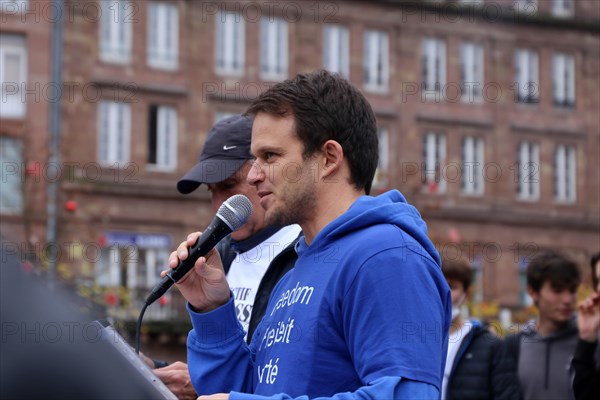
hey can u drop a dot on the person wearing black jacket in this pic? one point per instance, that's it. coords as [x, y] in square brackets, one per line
[476, 367]
[586, 367]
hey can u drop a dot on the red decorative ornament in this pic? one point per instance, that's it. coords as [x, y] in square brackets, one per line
[33, 168]
[454, 235]
[432, 186]
[71, 206]
[111, 299]
[102, 241]
[163, 301]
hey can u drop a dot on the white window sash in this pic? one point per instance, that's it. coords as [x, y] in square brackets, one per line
[529, 171]
[383, 165]
[430, 64]
[274, 48]
[11, 195]
[230, 43]
[163, 35]
[527, 75]
[469, 159]
[335, 49]
[13, 102]
[472, 71]
[533, 75]
[562, 8]
[435, 64]
[441, 160]
[116, 31]
[566, 175]
[435, 158]
[376, 53]
[441, 63]
[473, 165]
[166, 140]
[560, 174]
[374, 57]
[563, 71]
[114, 127]
[525, 5]
[571, 175]
[478, 170]
[534, 174]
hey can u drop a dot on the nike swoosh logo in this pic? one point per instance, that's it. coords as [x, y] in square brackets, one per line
[228, 148]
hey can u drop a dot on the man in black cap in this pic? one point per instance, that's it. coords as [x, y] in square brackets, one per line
[255, 256]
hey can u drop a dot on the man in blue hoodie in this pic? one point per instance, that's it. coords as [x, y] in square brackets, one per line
[365, 311]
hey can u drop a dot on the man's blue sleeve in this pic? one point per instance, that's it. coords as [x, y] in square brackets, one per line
[219, 360]
[383, 388]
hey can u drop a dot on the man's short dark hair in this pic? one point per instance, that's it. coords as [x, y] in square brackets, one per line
[326, 106]
[457, 268]
[556, 268]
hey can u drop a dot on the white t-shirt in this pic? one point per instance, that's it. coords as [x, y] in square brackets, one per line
[248, 268]
[454, 341]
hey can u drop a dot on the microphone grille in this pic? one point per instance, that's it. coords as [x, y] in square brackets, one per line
[235, 211]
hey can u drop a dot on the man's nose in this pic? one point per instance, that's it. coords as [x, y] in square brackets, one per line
[254, 174]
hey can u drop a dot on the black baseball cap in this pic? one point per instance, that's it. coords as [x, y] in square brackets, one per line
[226, 149]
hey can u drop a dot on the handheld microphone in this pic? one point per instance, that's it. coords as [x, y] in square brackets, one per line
[232, 214]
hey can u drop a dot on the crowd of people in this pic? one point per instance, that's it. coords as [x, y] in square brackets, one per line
[329, 292]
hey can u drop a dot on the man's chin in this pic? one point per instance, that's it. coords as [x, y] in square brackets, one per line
[240, 234]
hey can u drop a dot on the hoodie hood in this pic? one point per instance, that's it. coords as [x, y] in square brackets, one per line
[388, 208]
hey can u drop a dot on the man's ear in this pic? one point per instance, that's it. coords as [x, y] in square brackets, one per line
[332, 157]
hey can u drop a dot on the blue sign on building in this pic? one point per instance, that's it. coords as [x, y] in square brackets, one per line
[144, 240]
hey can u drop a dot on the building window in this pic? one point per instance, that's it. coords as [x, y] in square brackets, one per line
[526, 65]
[11, 160]
[434, 66]
[163, 35]
[565, 174]
[336, 49]
[162, 138]
[528, 171]
[376, 61]
[524, 299]
[13, 75]
[471, 72]
[563, 80]
[13, 6]
[129, 266]
[114, 129]
[131, 260]
[381, 174]
[472, 168]
[477, 285]
[230, 44]
[525, 6]
[562, 8]
[434, 160]
[117, 18]
[273, 48]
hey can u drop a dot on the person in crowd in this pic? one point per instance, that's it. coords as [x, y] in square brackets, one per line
[476, 367]
[586, 367]
[365, 311]
[256, 255]
[541, 352]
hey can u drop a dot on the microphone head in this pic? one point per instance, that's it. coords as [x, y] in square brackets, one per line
[235, 211]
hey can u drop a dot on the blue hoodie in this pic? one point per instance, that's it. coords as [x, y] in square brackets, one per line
[365, 312]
